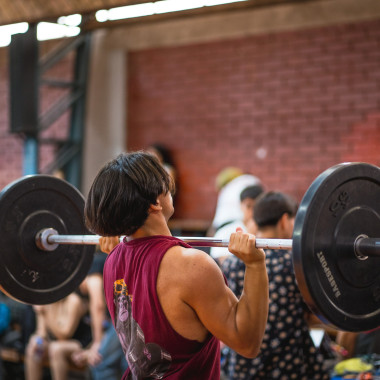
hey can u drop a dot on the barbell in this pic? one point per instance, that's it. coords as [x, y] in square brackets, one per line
[46, 250]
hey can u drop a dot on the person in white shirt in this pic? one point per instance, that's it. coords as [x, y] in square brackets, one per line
[246, 222]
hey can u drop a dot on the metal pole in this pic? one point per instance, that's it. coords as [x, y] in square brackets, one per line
[30, 164]
[48, 239]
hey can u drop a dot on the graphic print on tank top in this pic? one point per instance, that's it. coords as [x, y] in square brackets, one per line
[145, 360]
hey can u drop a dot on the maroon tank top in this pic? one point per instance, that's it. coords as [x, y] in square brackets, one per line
[153, 349]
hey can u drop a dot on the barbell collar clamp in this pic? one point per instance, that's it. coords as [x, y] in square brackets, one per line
[42, 239]
[365, 246]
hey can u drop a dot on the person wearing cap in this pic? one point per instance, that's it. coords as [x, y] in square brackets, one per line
[230, 182]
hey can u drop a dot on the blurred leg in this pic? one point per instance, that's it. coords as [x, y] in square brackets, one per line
[33, 364]
[59, 357]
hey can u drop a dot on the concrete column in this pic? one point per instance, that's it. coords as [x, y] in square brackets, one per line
[105, 132]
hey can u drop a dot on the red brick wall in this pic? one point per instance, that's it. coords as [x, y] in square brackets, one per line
[12, 145]
[309, 99]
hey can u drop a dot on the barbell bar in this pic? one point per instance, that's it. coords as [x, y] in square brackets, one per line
[48, 239]
[335, 244]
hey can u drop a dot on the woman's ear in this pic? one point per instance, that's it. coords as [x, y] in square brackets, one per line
[283, 221]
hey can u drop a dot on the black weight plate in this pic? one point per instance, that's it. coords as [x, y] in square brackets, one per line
[341, 204]
[27, 206]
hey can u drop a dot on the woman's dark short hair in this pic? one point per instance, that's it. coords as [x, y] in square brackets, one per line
[251, 192]
[270, 206]
[122, 192]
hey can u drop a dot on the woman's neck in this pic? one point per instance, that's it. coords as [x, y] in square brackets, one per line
[267, 233]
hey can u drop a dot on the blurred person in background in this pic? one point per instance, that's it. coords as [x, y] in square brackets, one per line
[247, 223]
[230, 182]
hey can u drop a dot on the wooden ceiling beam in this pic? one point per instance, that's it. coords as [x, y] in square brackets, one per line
[32, 11]
[92, 23]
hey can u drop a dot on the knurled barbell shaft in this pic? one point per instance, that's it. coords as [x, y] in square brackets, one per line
[193, 241]
[47, 239]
